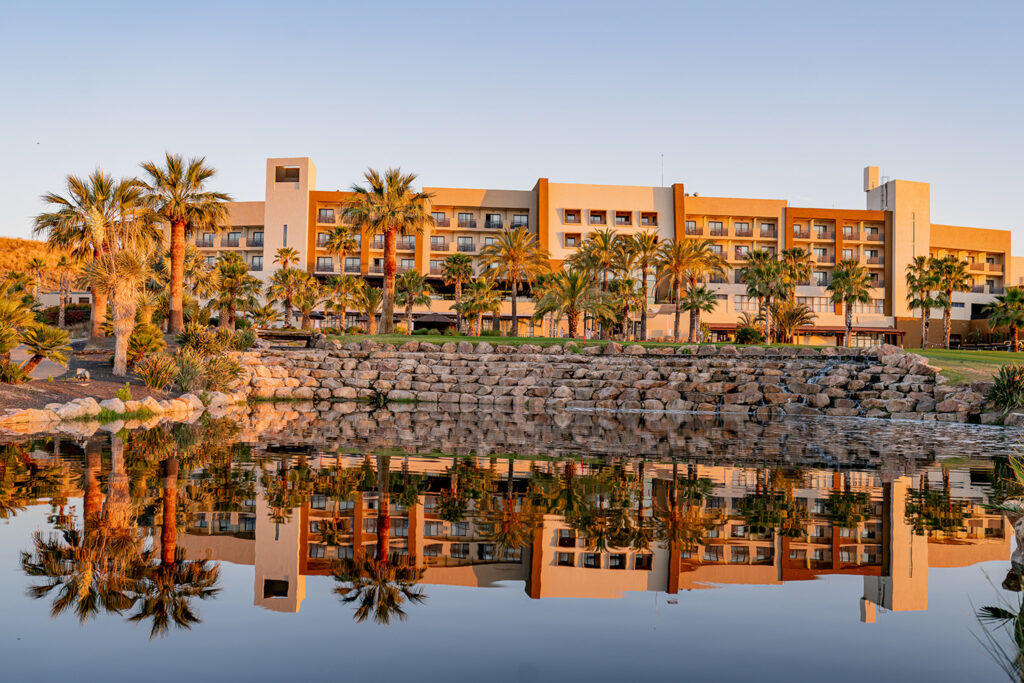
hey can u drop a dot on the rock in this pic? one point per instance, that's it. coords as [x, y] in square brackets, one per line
[114, 405]
[612, 348]
[193, 402]
[484, 347]
[71, 411]
[368, 345]
[465, 347]
[950, 405]
[410, 347]
[89, 404]
[591, 350]
[571, 347]
[399, 395]
[449, 347]
[636, 350]
[152, 405]
[524, 349]
[429, 347]
[728, 350]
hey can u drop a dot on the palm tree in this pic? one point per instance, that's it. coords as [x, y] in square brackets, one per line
[787, 315]
[36, 267]
[457, 270]
[922, 280]
[411, 289]
[340, 241]
[181, 200]
[1008, 311]
[380, 588]
[341, 291]
[516, 256]
[368, 301]
[951, 276]
[64, 269]
[697, 300]
[308, 296]
[287, 257]
[44, 343]
[766, 280]
[572, 293]
[283, 286]
[121, 277]
[796, 268]
[388, 206]
[645, 247]
[626, 291]
[685, 264]
[481, 297]
[510, 524]
[82, 222]
[238, 289]
[15, 315]
[850, 285]
[601, 246]
[263, 316]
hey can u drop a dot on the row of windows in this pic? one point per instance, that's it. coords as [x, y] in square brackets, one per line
[492, 221]
[648, 219]
[641, 561]
[740, 229]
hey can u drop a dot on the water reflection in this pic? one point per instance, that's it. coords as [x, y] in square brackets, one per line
[161, 508]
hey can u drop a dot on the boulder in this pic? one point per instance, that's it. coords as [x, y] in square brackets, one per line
[114, 405]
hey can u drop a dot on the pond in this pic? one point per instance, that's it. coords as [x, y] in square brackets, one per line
[337, 540]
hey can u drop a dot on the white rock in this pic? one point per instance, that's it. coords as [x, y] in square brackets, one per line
[114, 405]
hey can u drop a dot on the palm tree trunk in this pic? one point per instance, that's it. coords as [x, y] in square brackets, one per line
[693, 326]
[927, 326]
[849, 322]
[924, 330]
[458, 306]
[1016, 340]
[643, 313]
[287, 311]
[177, 319]
[371, 322]
[31, 364]
[496, 322]
[574, 320]
[383, 508]
[99, 314]
[408, 316]
[677, 329]
[124, 325]
[62, 302]
[387, 322]
[169, 525]
[225, 320]
[514, 330]
[947, 315]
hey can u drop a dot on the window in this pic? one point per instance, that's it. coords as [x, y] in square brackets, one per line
[572, 239]
[324, 264]
[572, 216]
[592, 560]
[247, 523]
[407, 264]
[821, 230]
[432, 550]
[286, 174]
[716, 249]
[566, 560]
[488, 241]
[821, 278]
[325, 216]
[211, 261]
[440, 219]
[958, 304]
[713, 553]
[692, 229]
[648, 219]
[436, 266]
[764, 553]
[819, 253]
[768, 230]
[257, 263]
[466, 244]
[466, 220]
[617, 561]
[742, 228]
[643, 562]
[716, 228]
[623, 218]
[847, 254]
[521, 220]
[739, 531]
[493, 221]
[597, 217]
[742, 302]
[351, 264]
[459, 551]
[370, 525]
[818, 304]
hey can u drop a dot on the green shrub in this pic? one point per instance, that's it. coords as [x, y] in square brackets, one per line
[11, 373]
[157, 371]
[220, 371]
[243, 339]
[145, 340]
[421, 331]
[400, 329]
[1008, 390]
[434, 333]
[749, 335]
[190, 369]
[198, 338]
[125, 392]
[354, 329]
[223, 338]
[450, 332]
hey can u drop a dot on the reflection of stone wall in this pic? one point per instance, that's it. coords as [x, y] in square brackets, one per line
[354, 427]
[878, 382]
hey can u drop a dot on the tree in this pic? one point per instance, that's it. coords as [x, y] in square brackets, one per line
[602, 247]
[796, 268]
[283, 286]
[457, 270]
[15, 315]
[389, 206]
[263, 316]
[684, 264]
[64, 270]
[922, 281]
[697, 300]
[481, 297]
[82, 221]
[1008, 311]
[787, 315]
[308, 296]
[367, 302]
[645, 246]
[341, 292]
[516, 257]
[287, 257]
[36, 267]
[120, 276]
[572, 293]
[950, 276]
[44, 343]
[765, 278]
[411, 289]
[177, 191]
[341, 241]
[850, 285]
[237, 291]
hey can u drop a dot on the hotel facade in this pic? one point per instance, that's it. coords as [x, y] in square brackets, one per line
[894, 227]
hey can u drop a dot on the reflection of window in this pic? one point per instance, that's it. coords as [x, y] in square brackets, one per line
[566, 559]
[433, 529]
[315, 526]
[592, 560]
[617, 561]
[370, 525]
[400, 528]
[460, 550]
[318, 501]
[485, 551]
[460, 529]
[432, 550]
[713, 553]
[739, 554]
[643, 562]
[317, 551]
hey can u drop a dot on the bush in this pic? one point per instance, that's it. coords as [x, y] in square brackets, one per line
[220, 371]
[421, 331]
[434, 333]
[203, 341]
[125, 392]
[190, 370]
[450, 332]
[1008, 390]
[74, 314]
[354, 329]
[400, 329]
[145, 340]
[11, 373]
[749, 335]
[243, 339]
[157, 371]
[243, 324]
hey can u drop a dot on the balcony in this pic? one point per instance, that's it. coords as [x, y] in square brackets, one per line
[740, 254]
[853, 235]
[442, 222]
[771, 234]
[995, 267]
[442, 246]
[695, 231]
[824, 258]
[519, 224]
[229, 242]
[877, 283]
[321, 241]
[327, 218]
[404, 269]
[821, 282]
[825, 235]
[204, 243]
[406, 244]
[255, 242]
[744, 232]
[467, 222]
[801, 235]
[876, 237]
[352, 268]
[377, 244]
[492, 225]
[467, 248]
[717, 232]
[325, 267]
[375, 269]
[256, 267]
[648, 222]
[875, 261]
[436, 271]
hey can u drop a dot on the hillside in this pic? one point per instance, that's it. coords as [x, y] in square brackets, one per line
[16, 253]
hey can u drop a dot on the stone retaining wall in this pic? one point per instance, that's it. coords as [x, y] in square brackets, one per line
[880, 382]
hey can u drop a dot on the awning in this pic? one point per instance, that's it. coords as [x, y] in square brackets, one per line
[434, 318]
[839, 329]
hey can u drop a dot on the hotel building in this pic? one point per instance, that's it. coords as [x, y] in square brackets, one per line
[894, 227]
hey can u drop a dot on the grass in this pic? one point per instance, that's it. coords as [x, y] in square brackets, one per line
[107, 415]
[399, 339]
[964, 367]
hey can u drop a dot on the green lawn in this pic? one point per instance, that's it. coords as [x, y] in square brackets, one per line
[964, 367]
[399, 339]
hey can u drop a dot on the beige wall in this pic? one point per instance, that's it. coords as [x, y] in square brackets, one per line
[910, 204]
[287, 203]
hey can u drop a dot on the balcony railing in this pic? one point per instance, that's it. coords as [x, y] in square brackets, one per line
[406, 244]
[773, 233]
[257, 267]
[877, 283]
[321, 241]
[597, 220]
[229, 242]
[467, 222]
[378, 244]
[404, 269]
[740, 255]
[443, 246]
[492, 225]
[325, 267]
[821, 283]
[467, 248]
[375, 270]
[824, 258]
[254, 242]
[717, 232]
[801, 235]
[202, 242]
[824, 235]
[875, 260]
[740, 232]
[325, 218]
[436, 270]
[352, 268]
[852, 235]
[519, 224]
[877, 237]
[695, 231]
[995, 267]
[978, 289]
[995, 289]
[648, 223]
[442, 222]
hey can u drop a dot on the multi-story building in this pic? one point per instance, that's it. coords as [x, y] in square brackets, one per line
[894, 228]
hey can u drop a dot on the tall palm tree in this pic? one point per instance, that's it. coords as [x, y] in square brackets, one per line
[796, 268]
[697, 300]
[951, 276]
[457, 270]
[850, 285]
[645, 246]
[180, 198]
[922, 281]
[64, 269]
[766, 280]
[82, 222]
[411, 289]
[44, 343]
[1008, 311]
[684, 264]
[283, 286]
[367, 301]
[287, 257]
[389, 206]
[341, 292]
[341, 242]
[601, 245]
[36, 267]
[481, 297]
[516, 257]
[573, 293]
[238, 289]
[308, 296]
[121, 277]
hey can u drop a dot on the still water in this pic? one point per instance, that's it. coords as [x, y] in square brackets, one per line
[339, 541]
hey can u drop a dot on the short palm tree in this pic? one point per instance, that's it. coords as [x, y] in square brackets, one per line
[766, 280]
[482, 296]
[796, 268]
[699, 300]
[922, 281]
[263, 315]
[367, 301]
[951, 276]
[645, 246]
[457, 271]
[686, 263]
[44, 343]
[573, 293]
[411, 289]
[850, 285]
[1008, 311]
[237, 291]
[286, 256]
[341, 242]
[515, 256]
[36, 267]
[308, 296]
[283, 286]
[341, 292]
[179, 196]
[787, 315]
[121, 277]
[389, 206]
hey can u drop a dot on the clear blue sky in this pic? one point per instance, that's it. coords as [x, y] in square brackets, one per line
[759, 99]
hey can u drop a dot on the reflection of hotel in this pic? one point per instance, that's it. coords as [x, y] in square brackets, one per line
[883, 549]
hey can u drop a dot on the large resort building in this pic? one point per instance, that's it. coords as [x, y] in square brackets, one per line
[894, 227]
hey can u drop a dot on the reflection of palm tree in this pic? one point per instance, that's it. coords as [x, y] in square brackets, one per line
[510, 523]
[930, 511]
[380, 587]
[684, 521]
[1009, 618]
